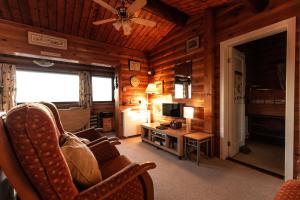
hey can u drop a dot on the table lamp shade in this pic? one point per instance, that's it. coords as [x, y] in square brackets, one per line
[188, 112]
[151, 89]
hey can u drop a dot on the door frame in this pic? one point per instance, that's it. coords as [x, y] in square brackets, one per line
[289, 26]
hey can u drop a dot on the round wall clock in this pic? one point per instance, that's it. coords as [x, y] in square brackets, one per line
[134, 81]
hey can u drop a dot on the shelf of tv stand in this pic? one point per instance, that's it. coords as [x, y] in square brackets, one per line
[168, 136]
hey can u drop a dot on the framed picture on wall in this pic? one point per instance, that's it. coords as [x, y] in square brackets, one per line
[192, 44]
[134, 65]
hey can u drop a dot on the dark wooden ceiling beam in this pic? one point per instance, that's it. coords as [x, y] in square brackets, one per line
[166, 11]
[257, 5]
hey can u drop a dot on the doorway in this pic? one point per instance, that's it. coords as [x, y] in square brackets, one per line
[233, 91]
[259, 103]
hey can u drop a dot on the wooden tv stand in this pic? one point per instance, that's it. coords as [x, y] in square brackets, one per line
[170, 140]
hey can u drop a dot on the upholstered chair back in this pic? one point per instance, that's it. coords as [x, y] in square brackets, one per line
[56, 116]
[34, 136]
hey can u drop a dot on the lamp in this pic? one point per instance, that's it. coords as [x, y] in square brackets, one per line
[188, 113]
[151, 89]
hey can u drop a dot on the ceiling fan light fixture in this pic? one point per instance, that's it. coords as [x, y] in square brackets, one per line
[117, 25]
[127, 29]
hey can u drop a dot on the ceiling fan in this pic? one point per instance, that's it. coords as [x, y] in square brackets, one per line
[125, 15]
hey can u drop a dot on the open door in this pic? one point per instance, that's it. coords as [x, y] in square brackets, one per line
[237, 84]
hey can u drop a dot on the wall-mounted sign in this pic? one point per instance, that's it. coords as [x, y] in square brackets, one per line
[47, 40]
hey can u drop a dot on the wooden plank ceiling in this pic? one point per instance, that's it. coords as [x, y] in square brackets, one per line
[75, 17]
[193, 7]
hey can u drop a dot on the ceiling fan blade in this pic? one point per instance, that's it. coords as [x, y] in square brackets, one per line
[135, 6]
[104, 21]
[107, 6]
[144, 22]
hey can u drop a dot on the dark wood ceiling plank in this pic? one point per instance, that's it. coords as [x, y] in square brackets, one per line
[256, 5]
[108, 27]
[136, 31]
[61, 8]
[70, 7]
[44, 17]
[152, 34]
[15, 10]
[142, 34]
[77, 16]
[101, 29]
[84, 17]
[92, 17]
[193, 7]
[95, 29]
[34, 12]
[25, 11]
[166, 11]
[52, 12]
[5, 10]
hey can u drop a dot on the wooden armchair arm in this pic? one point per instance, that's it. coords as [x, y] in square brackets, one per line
[112, 140]
[90, 134]
[104, 151]
[109, 186]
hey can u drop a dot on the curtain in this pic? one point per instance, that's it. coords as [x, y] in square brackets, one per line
[85, 94]
[7, 86]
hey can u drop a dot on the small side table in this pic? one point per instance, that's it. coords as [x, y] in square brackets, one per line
[195, 140]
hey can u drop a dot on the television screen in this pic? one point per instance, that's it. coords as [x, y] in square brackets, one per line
[172, 109]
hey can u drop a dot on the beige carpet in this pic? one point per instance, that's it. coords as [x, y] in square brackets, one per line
[266, 156]
[214, 179]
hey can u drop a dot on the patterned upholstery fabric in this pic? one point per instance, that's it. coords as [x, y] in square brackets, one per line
[290, 190]
[133, 190]
[33, 133]
[108, 189]
[111, 167]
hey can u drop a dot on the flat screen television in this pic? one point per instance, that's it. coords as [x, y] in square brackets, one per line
[172, 109]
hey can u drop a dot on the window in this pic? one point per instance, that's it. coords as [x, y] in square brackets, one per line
[44, 86]
[102, 88]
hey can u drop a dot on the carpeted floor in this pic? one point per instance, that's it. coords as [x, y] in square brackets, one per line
[214, 179]
[266, 156]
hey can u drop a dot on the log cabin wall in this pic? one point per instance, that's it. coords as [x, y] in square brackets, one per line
[237, 19]
[172, 50]
[13, 39]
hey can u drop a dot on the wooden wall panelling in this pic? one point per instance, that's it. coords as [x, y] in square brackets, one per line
[172, 50]
[235, 20]
[83, 50]
[209, 71]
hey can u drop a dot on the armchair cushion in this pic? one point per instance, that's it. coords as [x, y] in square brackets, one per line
[81, 161]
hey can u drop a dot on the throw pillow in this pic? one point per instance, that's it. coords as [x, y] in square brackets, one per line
[81, 161]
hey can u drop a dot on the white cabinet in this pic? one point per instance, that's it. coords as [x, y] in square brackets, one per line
[132, 121]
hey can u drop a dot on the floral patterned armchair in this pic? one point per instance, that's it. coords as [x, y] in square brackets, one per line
[33, 162]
